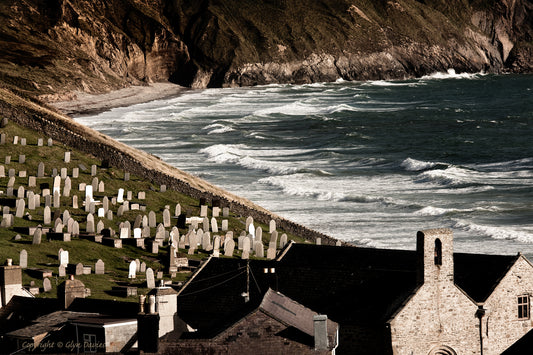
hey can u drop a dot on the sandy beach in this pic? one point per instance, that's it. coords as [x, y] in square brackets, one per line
[86, 104]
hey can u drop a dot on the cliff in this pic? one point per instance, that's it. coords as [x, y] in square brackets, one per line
[53, 48]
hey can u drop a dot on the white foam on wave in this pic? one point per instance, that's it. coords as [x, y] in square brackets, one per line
[217, 128]
[452, 74]
[495, 232]
[451, 176]
[410, 164]
[438, 211]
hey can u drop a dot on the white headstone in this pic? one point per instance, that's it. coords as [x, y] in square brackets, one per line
[132, 270]
[150, 281]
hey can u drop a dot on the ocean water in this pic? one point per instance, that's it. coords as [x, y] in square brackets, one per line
[370, 162]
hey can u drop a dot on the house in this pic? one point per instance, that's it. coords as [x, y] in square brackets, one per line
[428, 301]
[278, 325]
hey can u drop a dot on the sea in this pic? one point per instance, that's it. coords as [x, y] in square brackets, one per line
[367, 162]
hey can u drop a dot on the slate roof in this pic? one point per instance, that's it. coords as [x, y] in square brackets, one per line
[20, 311]
[351, 285]
[293, 314]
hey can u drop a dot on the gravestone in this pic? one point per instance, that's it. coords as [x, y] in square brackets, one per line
[224, 227]
[318, 241]
[283, 241]
[75, 201]
[109, 215]
[249, 221]
[163, 188]
[2, 171]
[259, 249]
[75, 173]
[90, 223]
[132, 270]
[203, 211]
[63, 173]
[101, 212]
[166, 218]
[50, 142]
[126, 176]
[40, 142]
[8, 159]
[138, 221]
[101, 186]
[143, 267]
[57, 199]
[3, 138]
[62, 271]
[120, 196]
[94, 184]
[66, 216]
[129, 195]
[141, 195]
[93, 170]
[272, 226]
[57, 184]
[67, 187]
[177, 210]
[151, 219]
[22, 141]
[32, 181]
[246, 248]
[21, 205]
[63, 257]
[75, 230]
[23, 259]
[120, 211]
[47, 285]
[99, 267]
[150, 281]
[67, 157]
[216, 211]
[271, 253]
[99, 227]
[79, 269]
[20, 192]
[274, 238]
[22, 158]
[105, 204]
[229, 247]
[206, 223]
[37, 236]
[214, 225]
[124, 233]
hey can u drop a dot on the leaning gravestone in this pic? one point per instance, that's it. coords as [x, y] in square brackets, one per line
[150, 281]
[23, 259]
[99, 267]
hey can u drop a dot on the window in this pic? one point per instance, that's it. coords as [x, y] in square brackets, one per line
[523, 307]
[438, 252]
[89, 343]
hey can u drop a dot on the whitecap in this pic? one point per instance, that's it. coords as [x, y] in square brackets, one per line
[496, 232]
[410, 164]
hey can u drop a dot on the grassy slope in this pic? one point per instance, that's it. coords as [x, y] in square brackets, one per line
[80, 250]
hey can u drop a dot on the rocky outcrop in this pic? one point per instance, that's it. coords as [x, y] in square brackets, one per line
[55, 47]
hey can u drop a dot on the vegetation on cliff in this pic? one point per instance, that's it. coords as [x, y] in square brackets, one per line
[56, 47]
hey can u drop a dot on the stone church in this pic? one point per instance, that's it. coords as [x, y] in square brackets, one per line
[432, 301]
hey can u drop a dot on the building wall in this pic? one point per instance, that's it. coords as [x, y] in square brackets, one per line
[116, 337]
[437, 315]
[255, 334]
[501, 325]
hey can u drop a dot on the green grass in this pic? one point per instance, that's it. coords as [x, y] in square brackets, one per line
[45, 255]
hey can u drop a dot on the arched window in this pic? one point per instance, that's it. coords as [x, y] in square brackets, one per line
[438, 252]
[442, 350]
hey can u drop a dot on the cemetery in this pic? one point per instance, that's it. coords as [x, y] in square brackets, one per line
[66, 212]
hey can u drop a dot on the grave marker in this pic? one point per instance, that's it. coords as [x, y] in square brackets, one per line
[23, 259]
[132, 270]
[47, 286]
[99, 267]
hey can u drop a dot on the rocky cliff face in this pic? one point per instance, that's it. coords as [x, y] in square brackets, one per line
[54, 47]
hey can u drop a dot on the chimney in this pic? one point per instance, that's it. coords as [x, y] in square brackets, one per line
[148, 327]
[320, 324]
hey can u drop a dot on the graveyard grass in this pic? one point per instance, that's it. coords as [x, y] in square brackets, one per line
[45, 255]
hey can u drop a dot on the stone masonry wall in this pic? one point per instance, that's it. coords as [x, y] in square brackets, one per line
[501, 325]
[437, 315]
[75, 135]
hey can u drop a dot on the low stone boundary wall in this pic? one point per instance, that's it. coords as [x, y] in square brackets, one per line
[69, 132]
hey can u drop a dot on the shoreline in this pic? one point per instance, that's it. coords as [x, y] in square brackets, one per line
[92, 104]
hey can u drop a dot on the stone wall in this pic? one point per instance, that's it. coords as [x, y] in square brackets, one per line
[67, 131]
[501, 325]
